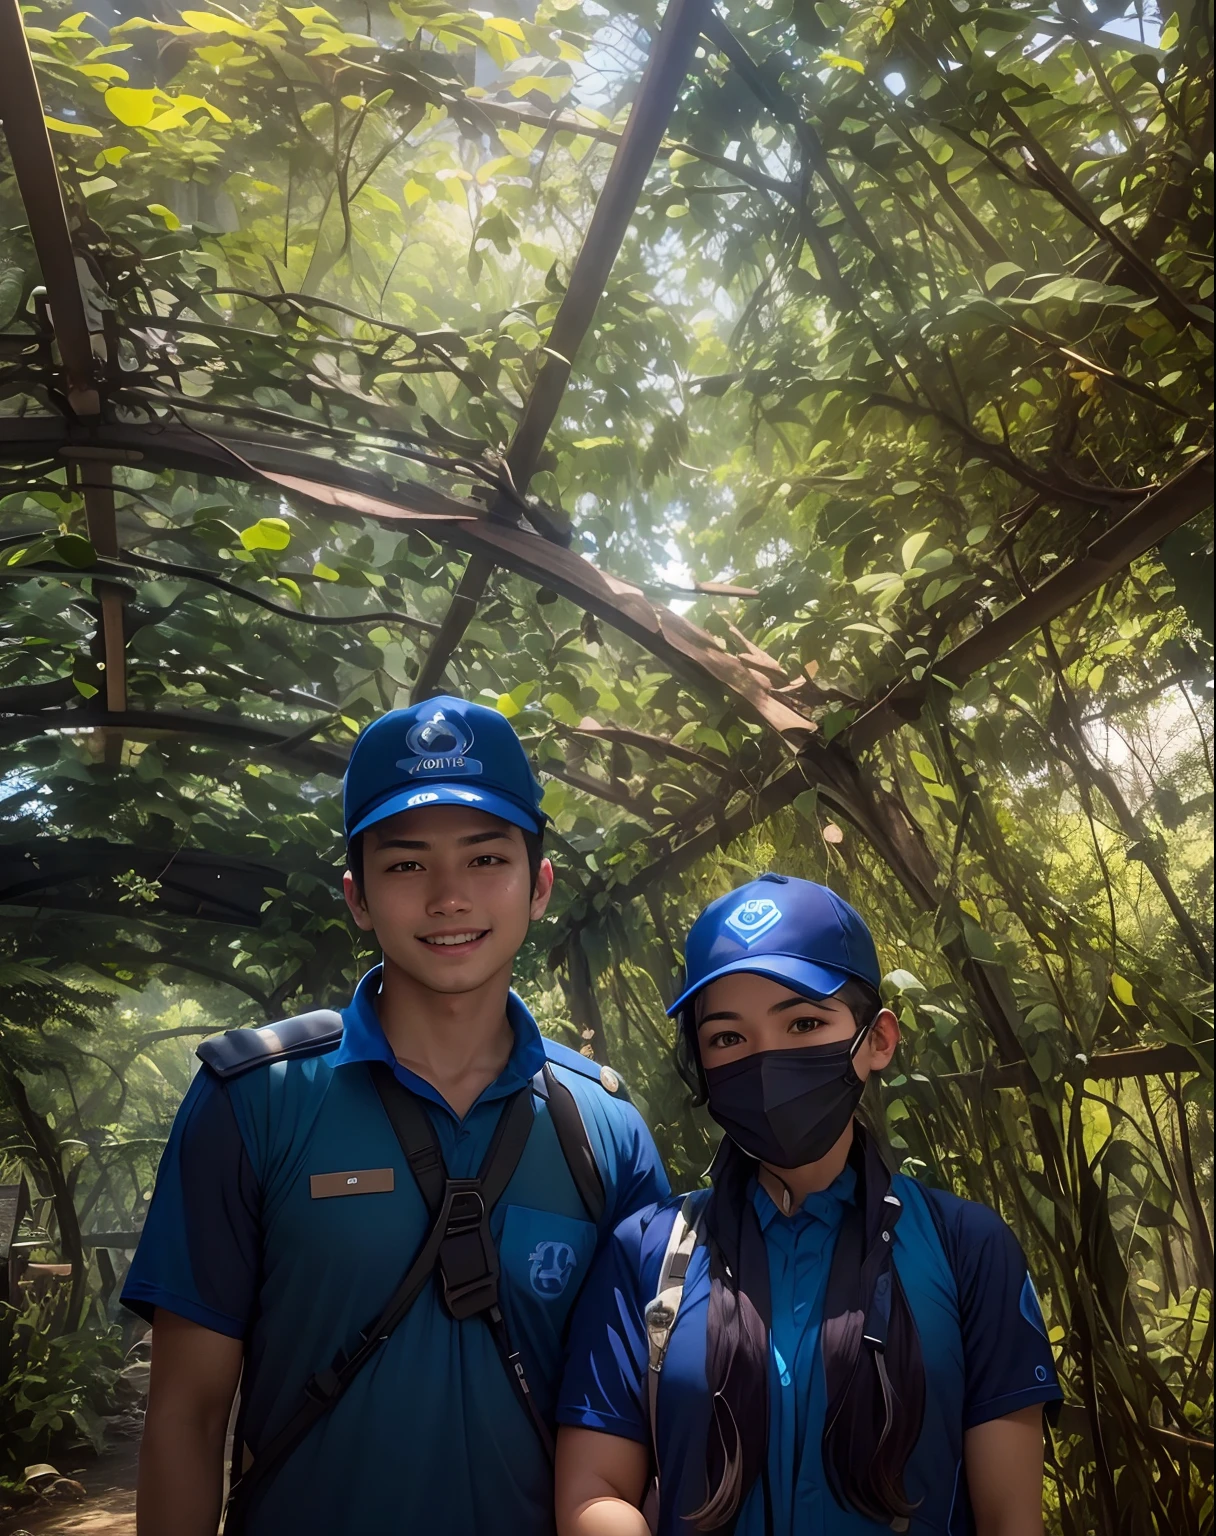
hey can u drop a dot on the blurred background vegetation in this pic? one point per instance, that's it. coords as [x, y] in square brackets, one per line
[914, 310]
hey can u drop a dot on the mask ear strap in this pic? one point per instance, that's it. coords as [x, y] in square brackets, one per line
[860, 1036]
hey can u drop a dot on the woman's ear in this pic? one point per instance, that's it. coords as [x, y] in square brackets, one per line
[882, 1040]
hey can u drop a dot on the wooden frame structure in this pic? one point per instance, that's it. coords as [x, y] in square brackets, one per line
[91, 439]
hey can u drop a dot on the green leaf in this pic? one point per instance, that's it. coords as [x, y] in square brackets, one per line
[267, 533]
[923, 765]
[912, 548]
[999, 271]
[1122, 988]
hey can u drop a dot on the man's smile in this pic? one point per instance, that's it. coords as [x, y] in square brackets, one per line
[464, 940]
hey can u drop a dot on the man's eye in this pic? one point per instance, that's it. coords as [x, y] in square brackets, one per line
[405, 866]
[484, 860]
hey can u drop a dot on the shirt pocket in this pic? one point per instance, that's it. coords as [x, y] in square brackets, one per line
[544, 1258]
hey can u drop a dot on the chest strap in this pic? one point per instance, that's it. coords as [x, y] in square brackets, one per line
[661, 1313]
[458, 1250]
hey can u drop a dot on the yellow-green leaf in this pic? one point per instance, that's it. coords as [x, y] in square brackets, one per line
[325, 572]
[842, 61]
[171, 219]
[1122, 988]
[267, 533]
[132, 108]
[80, 130]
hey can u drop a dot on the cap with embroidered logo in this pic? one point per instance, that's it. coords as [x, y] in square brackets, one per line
[792, 931]
[444, 751]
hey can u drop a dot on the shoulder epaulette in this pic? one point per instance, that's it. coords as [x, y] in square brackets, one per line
[610, 1081]
[240, 1050]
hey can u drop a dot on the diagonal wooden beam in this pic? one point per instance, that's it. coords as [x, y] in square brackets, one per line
[33, 160]
[660, 85]
[1150, 521]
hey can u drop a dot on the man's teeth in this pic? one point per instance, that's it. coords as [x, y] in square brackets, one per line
[451, 938]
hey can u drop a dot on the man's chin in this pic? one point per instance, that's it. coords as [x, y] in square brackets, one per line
[451, 976]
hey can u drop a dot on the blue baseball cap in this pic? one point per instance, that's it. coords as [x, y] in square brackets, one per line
[445, 751]
[789, 930]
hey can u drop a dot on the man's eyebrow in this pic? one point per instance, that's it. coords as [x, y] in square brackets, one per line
[485, 837]
[400, 842]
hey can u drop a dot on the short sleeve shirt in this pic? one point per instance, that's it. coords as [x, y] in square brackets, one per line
[431, 1436]
[983, 1340]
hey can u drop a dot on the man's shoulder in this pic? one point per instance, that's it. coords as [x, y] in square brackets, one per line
[240, 1051]
[578, 1071]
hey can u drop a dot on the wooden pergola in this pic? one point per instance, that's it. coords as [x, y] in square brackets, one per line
[501, 525]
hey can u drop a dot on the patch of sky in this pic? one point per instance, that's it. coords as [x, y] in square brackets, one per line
[1142, 26]
[895, 83]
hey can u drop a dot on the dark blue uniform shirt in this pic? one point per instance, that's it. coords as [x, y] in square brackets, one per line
[985, 1350]
[431, 1438]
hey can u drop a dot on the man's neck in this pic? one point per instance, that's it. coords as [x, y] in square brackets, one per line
[459, 1042]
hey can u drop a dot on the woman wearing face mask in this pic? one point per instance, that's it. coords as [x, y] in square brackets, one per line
[813, 1346]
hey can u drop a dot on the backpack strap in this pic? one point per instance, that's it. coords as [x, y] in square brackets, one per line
[458, 1250]
[662, 1310]
[573, 1139]
[240, 1050]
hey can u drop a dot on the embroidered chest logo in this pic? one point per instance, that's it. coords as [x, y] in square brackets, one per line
[753, 919]
[552, 1264]
[440, 745]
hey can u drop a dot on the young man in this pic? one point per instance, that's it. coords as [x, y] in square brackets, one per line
[317, 1224]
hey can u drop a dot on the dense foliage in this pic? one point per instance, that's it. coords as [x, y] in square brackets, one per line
[915, 306]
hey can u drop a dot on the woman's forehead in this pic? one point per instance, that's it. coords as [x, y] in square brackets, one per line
[746, 991]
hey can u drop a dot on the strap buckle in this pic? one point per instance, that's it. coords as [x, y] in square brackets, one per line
[468, 1260]
[323, 1386]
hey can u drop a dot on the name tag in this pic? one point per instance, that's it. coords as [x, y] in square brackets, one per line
[360, 1181]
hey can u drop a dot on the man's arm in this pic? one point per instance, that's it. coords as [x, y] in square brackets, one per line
[600, 1483]
[181, 1461]
[1004, 1461]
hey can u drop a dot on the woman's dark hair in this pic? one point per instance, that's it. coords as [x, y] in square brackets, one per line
[875, 1403]
[534, 843]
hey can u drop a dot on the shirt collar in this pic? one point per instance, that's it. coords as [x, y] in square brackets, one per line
[826, 1205]
[363, 1040]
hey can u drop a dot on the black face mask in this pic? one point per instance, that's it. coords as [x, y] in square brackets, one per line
[788, 1107]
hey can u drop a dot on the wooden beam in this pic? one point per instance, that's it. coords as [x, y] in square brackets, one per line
[1112, 1066]
[97, 485]
[246, 738]
[33, 160]
[455, 621]
[660, 85]
[1160, 512]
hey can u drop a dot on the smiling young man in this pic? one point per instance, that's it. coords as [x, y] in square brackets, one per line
[382, 1218]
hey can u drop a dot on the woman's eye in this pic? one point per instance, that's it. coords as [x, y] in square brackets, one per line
[805, 1026]
[725, 1039]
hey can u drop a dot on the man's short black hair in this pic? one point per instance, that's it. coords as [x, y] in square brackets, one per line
[534, 843]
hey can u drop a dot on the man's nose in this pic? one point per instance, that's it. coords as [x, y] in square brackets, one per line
[448, 896]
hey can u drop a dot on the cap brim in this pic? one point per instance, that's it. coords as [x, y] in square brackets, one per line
[421, 795]
[813, 981]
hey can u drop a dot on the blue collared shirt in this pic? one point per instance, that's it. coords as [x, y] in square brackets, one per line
[983, 1341]
[430, 1437]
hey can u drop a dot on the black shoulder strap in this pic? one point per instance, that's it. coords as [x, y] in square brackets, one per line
[457, 1247]
[574, 1142]
[240, 1050]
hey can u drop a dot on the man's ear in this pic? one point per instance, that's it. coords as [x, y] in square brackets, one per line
[542, 890]
[883, 1040]
[356, 901]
